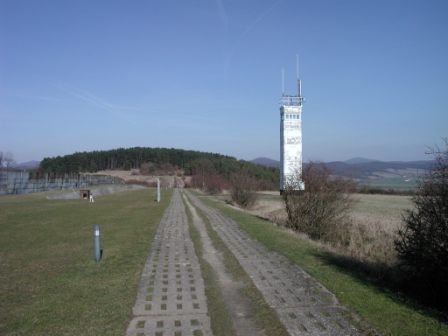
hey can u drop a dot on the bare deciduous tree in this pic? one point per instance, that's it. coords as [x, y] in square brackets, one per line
[148, 168]
[6, 160]
[320, 210]
[201, 168]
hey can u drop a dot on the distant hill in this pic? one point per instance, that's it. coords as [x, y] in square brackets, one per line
[263, 161]
[27, 165]
[390, 175]
[382, 174]
[359, 160]
[366, 169]
[190, 162]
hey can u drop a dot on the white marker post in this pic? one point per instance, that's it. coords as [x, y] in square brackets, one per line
[158, 190]
[96, 235]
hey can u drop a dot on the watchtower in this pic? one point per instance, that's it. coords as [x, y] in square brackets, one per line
[291, 138]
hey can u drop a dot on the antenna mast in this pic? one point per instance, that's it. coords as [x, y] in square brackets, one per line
[283, 81]
[299, 83]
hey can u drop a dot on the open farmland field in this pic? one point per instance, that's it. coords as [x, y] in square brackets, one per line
[386, 209]
[373, 222]
[395, 183]
[50, 283]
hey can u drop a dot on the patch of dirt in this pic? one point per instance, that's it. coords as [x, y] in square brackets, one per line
[133, 176]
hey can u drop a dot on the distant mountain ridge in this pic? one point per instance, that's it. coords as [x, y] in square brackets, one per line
[386, 174]
[365, 169]
[27, 165]
[357, 160]
[264, 161]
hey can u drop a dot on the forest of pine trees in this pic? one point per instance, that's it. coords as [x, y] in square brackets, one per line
[191, 162]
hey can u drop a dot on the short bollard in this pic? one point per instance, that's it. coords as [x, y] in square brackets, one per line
[158, 191]
[96, 235]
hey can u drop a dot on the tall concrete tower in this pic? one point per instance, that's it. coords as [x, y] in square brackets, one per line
[291, 138]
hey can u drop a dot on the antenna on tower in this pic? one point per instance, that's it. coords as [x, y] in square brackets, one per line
[283, 81]
[297, 66]
[299, 83]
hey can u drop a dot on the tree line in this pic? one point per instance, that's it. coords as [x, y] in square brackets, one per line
[191, 162]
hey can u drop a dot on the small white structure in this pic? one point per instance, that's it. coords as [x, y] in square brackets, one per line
[158, 191]
[291, 139]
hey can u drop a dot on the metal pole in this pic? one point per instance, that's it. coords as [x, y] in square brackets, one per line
[96, 234]
[158, 190]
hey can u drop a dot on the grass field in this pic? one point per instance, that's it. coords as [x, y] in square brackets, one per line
[398, 183]
[373, 223]
[50, 283]
[382, 309]
[375, 220]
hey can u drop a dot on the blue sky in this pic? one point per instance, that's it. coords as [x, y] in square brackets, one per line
[206, 75]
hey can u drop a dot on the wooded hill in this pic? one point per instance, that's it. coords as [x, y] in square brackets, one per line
[191, 162]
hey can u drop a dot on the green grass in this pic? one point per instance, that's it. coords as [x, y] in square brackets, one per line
[390, 207]
[50, 283]
[220, 319]
[395, 183]
[380, 308]
[265, 317]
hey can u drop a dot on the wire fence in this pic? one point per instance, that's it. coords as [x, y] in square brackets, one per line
[12, 182]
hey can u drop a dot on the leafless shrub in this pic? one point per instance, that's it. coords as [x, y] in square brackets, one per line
[321, 210]
[6, 160]
[140, 182]
[166, 181]
[148, 168]
[214, 184]
[187, 184]
[243, 190]
[167, 169]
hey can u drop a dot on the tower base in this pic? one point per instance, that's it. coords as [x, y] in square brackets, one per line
[293, 192]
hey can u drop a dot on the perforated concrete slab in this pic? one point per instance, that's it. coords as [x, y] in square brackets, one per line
[303, 305]
[182, 325]
[171, 299]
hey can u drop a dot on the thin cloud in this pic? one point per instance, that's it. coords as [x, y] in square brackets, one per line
[96, 101]
[259, 18]
[42, 98]
[250, 26]
[222, 13]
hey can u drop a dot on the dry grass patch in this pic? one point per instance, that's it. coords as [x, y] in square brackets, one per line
[369, 232]
[375, 220]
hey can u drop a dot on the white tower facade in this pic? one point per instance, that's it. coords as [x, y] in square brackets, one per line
[291, 141]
